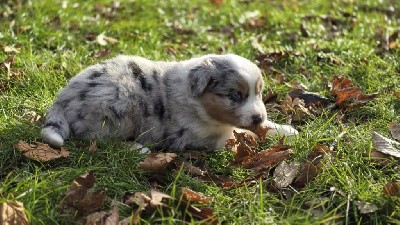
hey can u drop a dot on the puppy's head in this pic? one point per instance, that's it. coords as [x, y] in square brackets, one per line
[229, 89]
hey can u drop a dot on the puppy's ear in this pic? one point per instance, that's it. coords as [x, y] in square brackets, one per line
[201, 76]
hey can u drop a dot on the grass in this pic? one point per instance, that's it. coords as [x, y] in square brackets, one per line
[56, 42]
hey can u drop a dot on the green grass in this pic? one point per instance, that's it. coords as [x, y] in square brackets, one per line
[55, 43]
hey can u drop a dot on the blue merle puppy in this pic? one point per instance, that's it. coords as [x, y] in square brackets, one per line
[177, 105]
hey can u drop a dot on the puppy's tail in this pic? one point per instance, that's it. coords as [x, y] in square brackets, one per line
[55, 129]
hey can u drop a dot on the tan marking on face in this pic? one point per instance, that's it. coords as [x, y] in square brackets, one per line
[259, 85]
[217, 109]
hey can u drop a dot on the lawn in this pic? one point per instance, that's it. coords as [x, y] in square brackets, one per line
[298, 44]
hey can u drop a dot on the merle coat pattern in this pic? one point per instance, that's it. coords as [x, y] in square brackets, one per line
[190, 104]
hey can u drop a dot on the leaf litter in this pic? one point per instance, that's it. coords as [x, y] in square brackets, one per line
[40, 151]
[386, 145]
[13, 213]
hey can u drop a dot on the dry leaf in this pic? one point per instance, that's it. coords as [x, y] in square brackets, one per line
[101, 53]
[205, 214]
[102, 40]
[79, 197]
[296, 108]
[270, 97]
[261, 132]
[386, 145]
[157, 198]
[397, 94]
[13, 213]
[217, 2]
[91, 202]
[379, 158]
[285, 173]
[192, 170]
[102, 218]
[93, 146]
[40, 151]
[395, 130]
[391, 189]
[134, 219]
[348, 96]
[195, 197]
[11, 49]
[243, 145]
[96, 218]
[310, 167]
[247, 156]
[156, 162]
[308, 172]
[310, 99]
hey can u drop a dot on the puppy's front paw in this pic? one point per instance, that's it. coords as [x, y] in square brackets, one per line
[280, 129]
[288, 130]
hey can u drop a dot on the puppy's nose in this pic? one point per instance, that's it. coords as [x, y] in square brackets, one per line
[257, 119]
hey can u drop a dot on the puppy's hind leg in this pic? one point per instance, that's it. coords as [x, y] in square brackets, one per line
[279, 129]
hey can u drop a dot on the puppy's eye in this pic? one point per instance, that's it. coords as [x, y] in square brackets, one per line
[236, 96]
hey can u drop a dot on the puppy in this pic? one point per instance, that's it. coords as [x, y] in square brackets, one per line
[193, 104]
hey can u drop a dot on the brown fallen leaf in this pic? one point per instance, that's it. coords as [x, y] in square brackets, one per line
[397, 94]
[157, 198]
[101, 53]
[307, 173]
[195, 197]
[93, 146]
[395, 130]
[134, 219]
[156, 162]
[261, 132]
[310, 99]
[13, 213]
[386, 145]
[193, 170]
[102, 218]
[378, 158]
[285, 173]
[295, 108]
[217, 2]
[243, 145]
[391, 189]
[40, 151]
[347, 95]
[80, 197]
[270, 97]
[91, 202]
[143, 203]
[311, 166]
[247, 156]
[205, 214]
